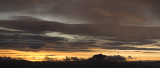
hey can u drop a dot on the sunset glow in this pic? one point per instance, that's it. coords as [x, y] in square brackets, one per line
[39, 56]
[35, 29]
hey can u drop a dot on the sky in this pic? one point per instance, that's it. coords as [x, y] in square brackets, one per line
[33, 29]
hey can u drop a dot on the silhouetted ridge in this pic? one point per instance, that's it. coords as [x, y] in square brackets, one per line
[99, 56]
[108, 58]
[6, 62]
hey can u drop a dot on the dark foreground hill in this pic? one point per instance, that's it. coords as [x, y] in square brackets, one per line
[79, 64]
[89, 63]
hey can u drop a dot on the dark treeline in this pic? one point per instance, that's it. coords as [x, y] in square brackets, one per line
[97, 61]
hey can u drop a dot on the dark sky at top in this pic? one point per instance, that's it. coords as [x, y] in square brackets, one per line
[135, 12]
[125, 21]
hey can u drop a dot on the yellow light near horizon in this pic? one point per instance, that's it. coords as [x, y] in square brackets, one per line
[39, 55]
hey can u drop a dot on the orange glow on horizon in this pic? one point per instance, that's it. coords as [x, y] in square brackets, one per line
[39, 55]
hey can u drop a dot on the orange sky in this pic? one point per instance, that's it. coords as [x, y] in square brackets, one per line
[33, 29]
[39, 56]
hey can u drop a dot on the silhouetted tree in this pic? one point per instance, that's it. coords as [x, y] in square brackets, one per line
[130, 57]
[108, 58]
[115, 58]
[99, 57]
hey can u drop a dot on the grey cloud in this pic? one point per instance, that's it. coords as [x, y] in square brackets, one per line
[25, 18]
[150, 52]
[116, 16]
[121, 43]
[7, 29]
[132, 33]
[118, 43]
[156, 44]
[130, 48]
[20, 41]
[30, 42]
[74, 50]
[97, 11]
[123, 35]
[82, 42]
[37, 42]
[69, 47]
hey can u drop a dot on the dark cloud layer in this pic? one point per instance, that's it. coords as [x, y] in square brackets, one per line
[130, 48]
[20, 41]
[130, 33]
[30, 39]
[121, 43]
[25, 18]
[129, 22]
[140, 12]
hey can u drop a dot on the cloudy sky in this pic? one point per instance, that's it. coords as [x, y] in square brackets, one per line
[60, 28]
